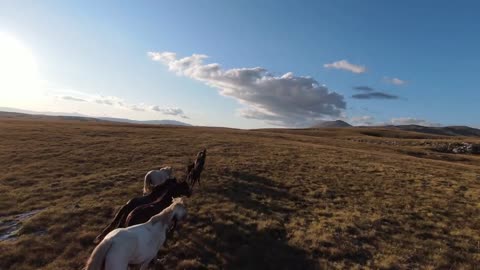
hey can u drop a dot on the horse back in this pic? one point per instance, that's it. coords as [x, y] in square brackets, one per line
[140, 214]
[137, 201]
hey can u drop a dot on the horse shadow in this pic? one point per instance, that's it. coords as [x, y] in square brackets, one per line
[239, 246]
[226, 241]
[257, 193]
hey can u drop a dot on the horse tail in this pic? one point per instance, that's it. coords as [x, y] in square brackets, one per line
[96, 260]
[117, 222]
[147, 185]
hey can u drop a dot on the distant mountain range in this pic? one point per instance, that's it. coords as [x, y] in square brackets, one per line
[147, 122]
[444, 131]
[5, 111]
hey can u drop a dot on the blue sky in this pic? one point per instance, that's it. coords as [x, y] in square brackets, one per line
[416, 61]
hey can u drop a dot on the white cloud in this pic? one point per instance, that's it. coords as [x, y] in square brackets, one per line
[77, 96]
[73, 98]
[365, 120]
[286, 100]
[395, 81]
[169, 111]
[368, 120]
[412, 121]
[345, 65]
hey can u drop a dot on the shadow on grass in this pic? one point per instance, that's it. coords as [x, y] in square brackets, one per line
[228, 242]
[259, 194]
[240, 246]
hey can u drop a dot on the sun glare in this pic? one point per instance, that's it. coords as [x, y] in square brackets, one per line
[18, 69]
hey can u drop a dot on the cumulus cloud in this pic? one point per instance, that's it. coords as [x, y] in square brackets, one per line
[286, 100]
[70, 98]
[395, 81]
[363, 88]
[375, 95]
[412, 121]
[345, 65]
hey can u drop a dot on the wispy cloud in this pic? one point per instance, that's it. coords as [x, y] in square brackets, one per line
[412, 121]
[286, 100]
[73, 98]
[170, 111]
[345, 65]
[368, 120]
[395, 81]
[363, 88]
[375, 95]
[77, 96]
[364, 120]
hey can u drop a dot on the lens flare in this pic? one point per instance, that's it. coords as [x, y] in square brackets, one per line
[19, 76]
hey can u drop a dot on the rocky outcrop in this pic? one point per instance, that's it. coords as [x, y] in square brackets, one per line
[458, 148]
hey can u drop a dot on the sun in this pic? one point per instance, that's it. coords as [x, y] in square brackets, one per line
[18, 69]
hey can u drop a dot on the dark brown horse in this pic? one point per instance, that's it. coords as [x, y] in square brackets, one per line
[122, 214]
[195, 169]
[157, 196]
[143, 213]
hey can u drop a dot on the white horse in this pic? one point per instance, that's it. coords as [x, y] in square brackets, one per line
[135, 245]
[156, 177]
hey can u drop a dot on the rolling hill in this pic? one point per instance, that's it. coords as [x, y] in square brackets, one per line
[443, 131]
[446, 131]
[13, 112]
[336, 198]
[332, 124]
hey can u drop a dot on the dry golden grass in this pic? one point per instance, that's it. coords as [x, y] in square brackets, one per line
[270, 199]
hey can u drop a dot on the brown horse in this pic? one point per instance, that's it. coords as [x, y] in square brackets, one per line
[195, 169]
[122, 214]
[143, 213]
[157, 196]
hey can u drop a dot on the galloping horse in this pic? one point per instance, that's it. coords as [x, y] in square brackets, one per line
[184, 188]
[144, 212]
[156, 177]
[137, 245]
[195, 169]
[122, 214]
[157, 196]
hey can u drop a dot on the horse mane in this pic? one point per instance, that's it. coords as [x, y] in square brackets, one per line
[166, 215]
[158, 190]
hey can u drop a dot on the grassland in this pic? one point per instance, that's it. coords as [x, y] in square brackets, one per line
[270, 199]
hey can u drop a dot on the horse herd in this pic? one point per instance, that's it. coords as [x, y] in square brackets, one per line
[141, 227]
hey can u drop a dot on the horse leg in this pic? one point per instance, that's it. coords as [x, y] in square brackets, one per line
[118, 220]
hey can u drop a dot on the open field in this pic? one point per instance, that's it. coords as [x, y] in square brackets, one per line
[270, 199]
